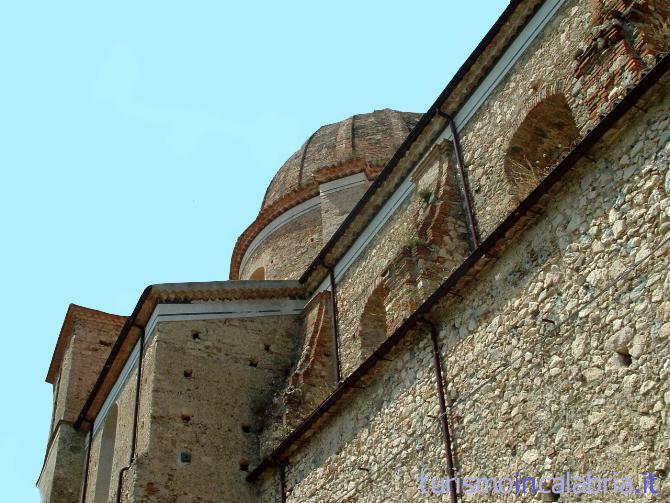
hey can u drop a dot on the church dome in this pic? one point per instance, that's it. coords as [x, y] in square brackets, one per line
[372, 138]
[360, 144]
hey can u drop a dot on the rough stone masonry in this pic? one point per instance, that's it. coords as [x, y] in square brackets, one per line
[513, 240]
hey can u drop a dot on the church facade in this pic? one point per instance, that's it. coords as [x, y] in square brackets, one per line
[477, 291]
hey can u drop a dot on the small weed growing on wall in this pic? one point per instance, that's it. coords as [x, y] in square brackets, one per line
[285, 432]
[413, 243]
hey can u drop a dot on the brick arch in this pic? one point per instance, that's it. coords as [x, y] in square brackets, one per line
[434, 223]
[559, 86]
[541, 137]
[373, 322]
[650, 21]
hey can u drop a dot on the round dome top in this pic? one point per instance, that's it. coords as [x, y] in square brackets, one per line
[362, 143]
[370, 138]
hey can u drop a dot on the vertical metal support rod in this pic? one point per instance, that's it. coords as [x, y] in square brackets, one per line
[336, 335]
[282, 481]
[88, 464]
[460, 164]
[466, 189]
[443, 410]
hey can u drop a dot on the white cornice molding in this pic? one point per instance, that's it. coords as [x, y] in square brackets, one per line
[299, 210]
[283, 219]
[166, 313]
[343, 183]
[507, 60]
[496, 75]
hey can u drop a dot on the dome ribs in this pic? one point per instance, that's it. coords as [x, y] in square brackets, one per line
[361, 143]
[304, 155]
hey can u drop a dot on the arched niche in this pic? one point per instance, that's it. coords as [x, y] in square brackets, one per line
[258, 274]
[545, 134]
[373, 325]
[106, 457]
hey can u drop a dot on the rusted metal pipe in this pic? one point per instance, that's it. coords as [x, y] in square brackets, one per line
[444, 420]
[467, 266]
[336, 335]
[460, 167]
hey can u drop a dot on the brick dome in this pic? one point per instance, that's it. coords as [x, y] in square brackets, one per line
[361, 143]
[372, 138]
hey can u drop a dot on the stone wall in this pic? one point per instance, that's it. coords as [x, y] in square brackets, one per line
[556, 357]
[89, 339]
[412, 253]
[358, 283]
[313, 376]
[212, 385]
[86, 352]
[625, 38]
[61, 474]
[61, 409]
[542, 71]
[337, 204]
[125, 404]
[286, 253]
[589, 65]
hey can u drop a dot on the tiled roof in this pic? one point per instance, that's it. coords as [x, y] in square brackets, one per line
[108, 325]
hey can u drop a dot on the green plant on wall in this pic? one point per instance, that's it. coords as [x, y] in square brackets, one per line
[285, 432]
[412, 244]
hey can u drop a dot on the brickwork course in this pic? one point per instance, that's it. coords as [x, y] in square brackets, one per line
[479, 290]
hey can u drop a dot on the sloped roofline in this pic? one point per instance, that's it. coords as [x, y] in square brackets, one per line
[173, 293]
[478, 259]
[357, 219]
[64, 336]
[350, 226]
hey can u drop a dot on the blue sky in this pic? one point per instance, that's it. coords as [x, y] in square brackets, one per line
[137, 140]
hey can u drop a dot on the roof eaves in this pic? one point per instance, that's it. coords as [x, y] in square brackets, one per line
[179, 293]
[515, 222]
[64, 336]
[348, 228]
